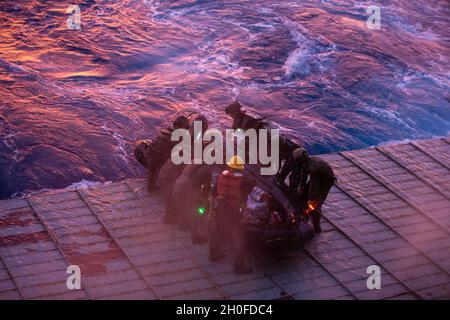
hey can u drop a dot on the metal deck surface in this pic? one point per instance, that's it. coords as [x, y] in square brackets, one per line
[390, 208]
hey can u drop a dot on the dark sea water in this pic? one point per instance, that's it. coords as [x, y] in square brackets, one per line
[73, 101]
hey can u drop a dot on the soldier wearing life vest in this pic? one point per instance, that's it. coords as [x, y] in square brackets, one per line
[230, 192]
[152, 154]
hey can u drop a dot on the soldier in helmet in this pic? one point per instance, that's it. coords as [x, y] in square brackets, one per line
[152, 154]
[187, 189]
[168, 174]
[230, 191]
[190, 192]
[289, 167]
[311, 180]
[204, 121]
[287, 146]
[241, 120]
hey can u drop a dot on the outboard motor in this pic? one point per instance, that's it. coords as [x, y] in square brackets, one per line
[291, 228]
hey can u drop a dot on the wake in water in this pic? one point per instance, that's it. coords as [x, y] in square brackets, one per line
[74, 101]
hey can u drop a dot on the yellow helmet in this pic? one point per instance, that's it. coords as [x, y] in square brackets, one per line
[236, 163]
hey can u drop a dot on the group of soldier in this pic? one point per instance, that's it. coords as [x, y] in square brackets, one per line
[189, 190]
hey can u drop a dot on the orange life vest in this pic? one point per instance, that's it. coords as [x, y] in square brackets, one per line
[229, 186]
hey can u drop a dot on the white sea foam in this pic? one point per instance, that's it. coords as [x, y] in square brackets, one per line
[120, 143]
[83, 184]
[296, 62]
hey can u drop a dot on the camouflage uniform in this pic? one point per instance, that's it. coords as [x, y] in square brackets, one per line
[321, 179]
[241, 120]
[168, 174]
[191, 190]
[286, 148]
[152, 154]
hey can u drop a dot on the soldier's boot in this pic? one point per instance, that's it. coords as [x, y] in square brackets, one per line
[316, 222]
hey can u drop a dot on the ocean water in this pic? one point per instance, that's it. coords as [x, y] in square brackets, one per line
[72, 102]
